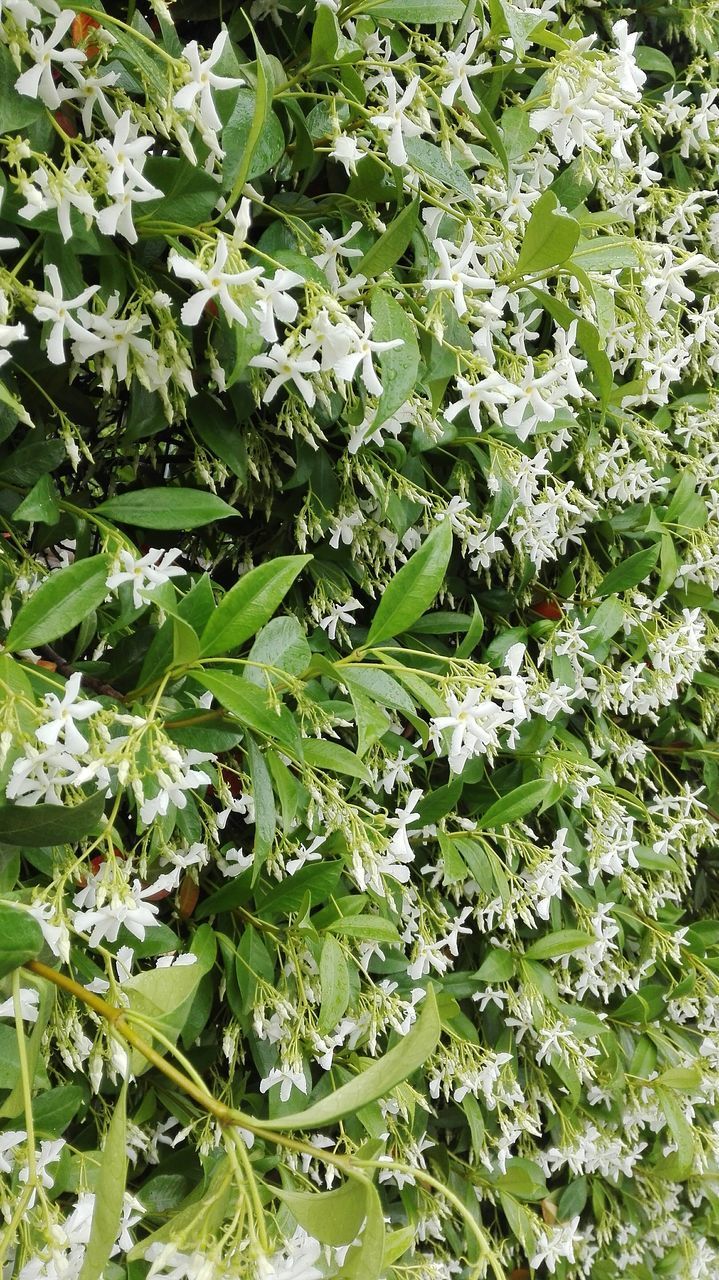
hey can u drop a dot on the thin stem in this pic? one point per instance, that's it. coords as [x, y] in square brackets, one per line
[25, 1079]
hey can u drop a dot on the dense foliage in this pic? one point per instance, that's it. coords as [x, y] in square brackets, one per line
[359, 462]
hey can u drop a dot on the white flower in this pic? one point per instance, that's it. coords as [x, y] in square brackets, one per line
[333, 248]
[474, 724]
[202, 80]
[287, 367]
[8, 332]
[214, 282]
[63, 191]
[295, 1261]
[288, 1078]
[91, 90]
[490, 393]
[126, 154]
[57, 311]
[552, 1246]
[127, 908]
[458, 270]
[62, 713]
[459, 67]
[394, 121]
[39, 81]
[8, 1142]
[29, 1001]
[152, 570]
[365, 348]
[347, 152]
[276, 303]
[339, 613]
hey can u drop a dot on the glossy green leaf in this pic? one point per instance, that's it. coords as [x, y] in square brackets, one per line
[334, 984]
[167, 508]
[631, 572]
[392, 243]
[249, 705]
[332, 1217]
[549, 238]
[320, 753]
[250, 604]
[40, 826]
[20, 938]
[411, 592]
[399, 367]
[515, 804]
[60, 603]
[561, 943]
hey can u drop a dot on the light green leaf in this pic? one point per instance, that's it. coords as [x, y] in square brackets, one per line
[109, 1194]
[392, 243]
[365, 1260]
[561, 943]
[422, 12]
[250, 604]
[281, 643]
[265, 809]
[332, 1217]
[379, 1078]
[334, 984]
[249, 705]
[549, 237]
[399, 367]
[166, 508]
[60, 603]
[322, 754]
[365, 927]
[260, 114]
[429, 161]
[411, 592]
[20, 938]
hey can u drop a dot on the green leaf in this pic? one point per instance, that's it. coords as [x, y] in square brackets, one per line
[332, 1217]
[109, 1194]
[549, 238]
[246, 149]
[60, 603]
[249, 705]
[190, 193]
[605, 253]
[322, 754]
[41, 826]
[630, 572]
[14, 1104]
[167, 508]
[498, 966]
[260, 115]
[165, 995]
[561, 943]
[678, 1166]
[411, 592]
[429, 161]
[378, 1080]
[366, 928]
[522, 1178]
[282, 644]
[265, 809]
[365, 1260]
[392, 243]
[426, 12]
[20, 938]
[515, 804]
[399, 367]
[334, 984]
[253, 963]
[250, 604]
[53, 1110]
[41, 504]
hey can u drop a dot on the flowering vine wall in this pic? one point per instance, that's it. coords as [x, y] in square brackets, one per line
[359, 462]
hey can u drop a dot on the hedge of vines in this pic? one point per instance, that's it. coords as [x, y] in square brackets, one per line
[359, 500]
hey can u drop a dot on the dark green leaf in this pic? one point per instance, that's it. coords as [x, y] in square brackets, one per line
[60, 603]
[411, 592]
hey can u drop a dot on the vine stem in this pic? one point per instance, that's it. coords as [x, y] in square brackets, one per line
[231, 1118]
